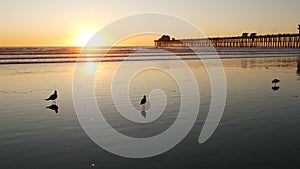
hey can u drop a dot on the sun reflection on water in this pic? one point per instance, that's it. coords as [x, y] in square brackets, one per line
[91, 67]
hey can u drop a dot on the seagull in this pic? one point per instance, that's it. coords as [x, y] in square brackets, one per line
[275, 81]
[52, 97]
[143, 101]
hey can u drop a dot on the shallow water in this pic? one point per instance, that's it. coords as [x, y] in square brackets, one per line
[38, 55]
[259, 128]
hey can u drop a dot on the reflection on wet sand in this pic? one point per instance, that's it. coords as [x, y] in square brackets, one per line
[263, 125]
[298, 66]
[53, 107]
[278, 63]
[143, 112]
[275, 88]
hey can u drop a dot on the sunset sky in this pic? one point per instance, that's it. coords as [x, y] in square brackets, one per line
[72, 22]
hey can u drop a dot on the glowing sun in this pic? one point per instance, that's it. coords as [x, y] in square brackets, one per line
[84, 37]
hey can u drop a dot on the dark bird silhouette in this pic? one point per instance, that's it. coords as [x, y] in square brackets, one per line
[275, 88]
[53, 97]
[143, 101]
[275, 81]
[53, 107]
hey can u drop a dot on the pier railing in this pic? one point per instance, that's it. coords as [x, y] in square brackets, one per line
[272, 41]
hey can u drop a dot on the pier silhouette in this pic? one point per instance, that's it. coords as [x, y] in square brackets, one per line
[246, 40]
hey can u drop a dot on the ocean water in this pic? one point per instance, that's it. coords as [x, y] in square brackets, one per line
[259, 128]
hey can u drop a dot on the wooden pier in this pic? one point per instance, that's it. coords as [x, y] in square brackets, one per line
[269, 41]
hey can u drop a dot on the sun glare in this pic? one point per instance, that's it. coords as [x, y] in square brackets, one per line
[84, 37]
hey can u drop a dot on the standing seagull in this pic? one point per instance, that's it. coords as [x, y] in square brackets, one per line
[52, 97]
[143, 101]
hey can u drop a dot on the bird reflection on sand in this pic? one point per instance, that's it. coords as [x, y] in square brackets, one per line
[275, 88]
[143, 112]
[298, 66]
[53, 107]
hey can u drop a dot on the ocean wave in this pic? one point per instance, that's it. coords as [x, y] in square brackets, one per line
[31, 55]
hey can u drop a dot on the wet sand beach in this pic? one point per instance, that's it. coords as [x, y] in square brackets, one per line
[259, 128]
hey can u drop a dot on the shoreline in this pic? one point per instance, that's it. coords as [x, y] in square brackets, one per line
[139, 60]
[119, 54]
